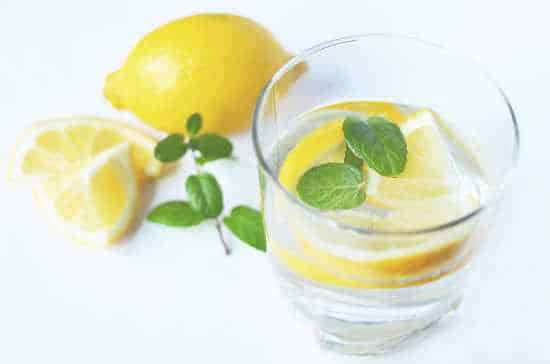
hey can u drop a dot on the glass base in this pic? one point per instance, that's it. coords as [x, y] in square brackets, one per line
[372, 321]
[379, 338]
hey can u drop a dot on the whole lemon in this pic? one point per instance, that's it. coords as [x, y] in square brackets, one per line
[213, 64]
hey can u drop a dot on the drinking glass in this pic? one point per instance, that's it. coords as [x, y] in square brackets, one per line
[365, 314]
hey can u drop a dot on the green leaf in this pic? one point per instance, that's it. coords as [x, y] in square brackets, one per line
[352, 159]
[194, 124]
[332, 186]
[211, 147]
[171, 148]
[205, 194]
[247, 225]
[378, 142]
[175, 213]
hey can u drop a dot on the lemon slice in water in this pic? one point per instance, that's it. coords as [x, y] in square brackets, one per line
[428, 172]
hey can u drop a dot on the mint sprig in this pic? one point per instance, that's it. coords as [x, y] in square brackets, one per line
[203, 190]
[205, 194]
[211, 147]
[175, 213]
[352, 159]
[194, 124]
[171, 148]
[378, 142]
[247, 224]
[332, 186]
[374, 141]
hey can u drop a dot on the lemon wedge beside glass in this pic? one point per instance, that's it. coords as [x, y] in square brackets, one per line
[86, 173]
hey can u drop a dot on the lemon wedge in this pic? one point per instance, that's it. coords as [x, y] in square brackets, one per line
[64, 145]
[96, 204]
[86, 174]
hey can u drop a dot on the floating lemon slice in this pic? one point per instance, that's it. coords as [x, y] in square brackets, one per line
[320, 266]
[428, 172]
[85, 173]
[420, 197]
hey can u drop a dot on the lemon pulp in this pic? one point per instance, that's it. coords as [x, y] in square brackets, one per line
[427, 193]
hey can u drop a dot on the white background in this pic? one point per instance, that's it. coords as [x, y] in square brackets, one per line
[170, 296]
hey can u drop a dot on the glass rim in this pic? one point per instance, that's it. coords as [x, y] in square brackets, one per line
[303, 56]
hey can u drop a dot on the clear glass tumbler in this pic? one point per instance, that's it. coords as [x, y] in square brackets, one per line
[321, 268]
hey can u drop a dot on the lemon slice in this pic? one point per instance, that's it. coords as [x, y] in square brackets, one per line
[319, 145]
[372, 108]
[428, 172]
[389, 263]
[66, 145]
[376, 260]
[94, 205]
[420, 216]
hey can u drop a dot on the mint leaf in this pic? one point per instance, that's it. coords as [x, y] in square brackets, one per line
[205, 194]
[332, 186]
[211, 147]
[194, 124]
[378, 142]
[352, 159]
[171, 148]
[175, 213]
[247, 225]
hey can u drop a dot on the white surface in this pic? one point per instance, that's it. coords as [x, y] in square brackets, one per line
[170, 296]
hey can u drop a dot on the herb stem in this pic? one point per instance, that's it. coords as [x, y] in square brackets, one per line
[226, 248]
[218, 222]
